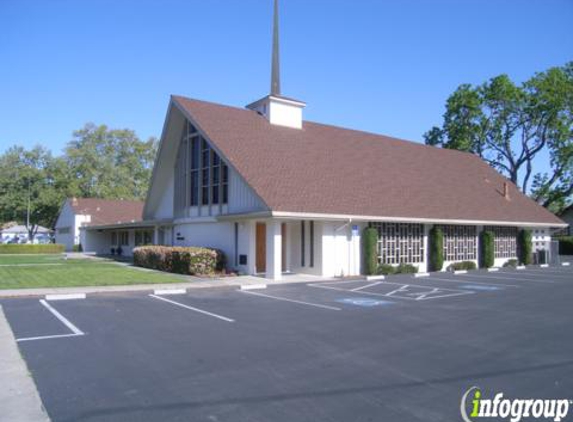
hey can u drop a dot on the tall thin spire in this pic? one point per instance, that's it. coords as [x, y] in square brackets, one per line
[276, 71]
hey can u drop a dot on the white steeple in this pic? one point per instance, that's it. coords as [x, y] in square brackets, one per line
[277, 109]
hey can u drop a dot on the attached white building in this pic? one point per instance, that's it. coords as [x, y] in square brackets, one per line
[79, 212]
[280, 194]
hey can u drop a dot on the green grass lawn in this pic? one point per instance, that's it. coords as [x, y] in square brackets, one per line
[33, 271]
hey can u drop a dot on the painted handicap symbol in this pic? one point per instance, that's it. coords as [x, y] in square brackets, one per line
[365, 302]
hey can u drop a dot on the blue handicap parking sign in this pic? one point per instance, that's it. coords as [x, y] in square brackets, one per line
[365, 302]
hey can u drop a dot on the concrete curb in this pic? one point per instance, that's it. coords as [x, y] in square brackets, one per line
[197, 284]
[19, 398]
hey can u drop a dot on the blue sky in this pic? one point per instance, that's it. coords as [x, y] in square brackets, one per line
[385, 66]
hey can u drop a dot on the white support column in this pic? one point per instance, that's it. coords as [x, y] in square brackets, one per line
[274, 250]
[155, 235]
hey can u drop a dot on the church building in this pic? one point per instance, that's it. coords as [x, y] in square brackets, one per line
[279, 194]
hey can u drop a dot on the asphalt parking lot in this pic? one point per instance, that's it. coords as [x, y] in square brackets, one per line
[401, 349]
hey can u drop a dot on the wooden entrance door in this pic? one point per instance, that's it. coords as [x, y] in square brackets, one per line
[261, 246]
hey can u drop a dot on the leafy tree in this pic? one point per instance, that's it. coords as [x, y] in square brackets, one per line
[98, 162]
[27, 180]
[108, 163]
[511, 127]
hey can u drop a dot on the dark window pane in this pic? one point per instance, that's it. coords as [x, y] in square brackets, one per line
[215, 194]
[225, 173]
[216, 159]
[225, 194]
[205, 199]
[194, 188]
[216, 171]
[205, 177]
[195, 154]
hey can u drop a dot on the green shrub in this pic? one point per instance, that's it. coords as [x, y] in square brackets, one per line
[370, 250]
[180, 260]
[406, 269]
[487, 256]
[436, 249]
[524, 247]
[511, 263]
[565, 245]
[16, 249]
[385, 269]
[77, 248]
[463, 265]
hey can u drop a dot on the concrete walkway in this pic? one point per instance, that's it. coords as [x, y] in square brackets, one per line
[19, 398]
[194, 283]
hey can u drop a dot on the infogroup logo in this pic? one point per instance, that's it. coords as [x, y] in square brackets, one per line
[514, 410]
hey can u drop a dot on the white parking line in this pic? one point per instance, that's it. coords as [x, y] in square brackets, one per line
[75, 330]
[48, 337]
[201, 311]
[284, 299]
[518, 277]
[473, 282]
[62, 318]
[357, 289]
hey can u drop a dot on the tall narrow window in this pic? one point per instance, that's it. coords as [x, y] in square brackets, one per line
[216, 177]
[311, 243]
[225, 183]
[195, 151]
[205, 179]
[236, 244]
[302, 244]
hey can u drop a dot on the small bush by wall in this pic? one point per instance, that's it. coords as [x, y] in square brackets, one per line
[436, 249]
[370, 250]
[565, 245]
[463, 265]
[510, 263]
[180, 260]
[385, 269]
[77, 248]
[487, 255]
[524, 247]
[16, 249]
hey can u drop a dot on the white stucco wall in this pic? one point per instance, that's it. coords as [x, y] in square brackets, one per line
[340, 248]
[165, 207]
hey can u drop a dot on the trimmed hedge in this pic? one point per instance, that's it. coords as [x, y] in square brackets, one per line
[436, 249]
[387, 269]
[17, 249]
[370, 250]
[565, 245]
[463, 265]
[525, 247]
[487, 256]
[180, 260]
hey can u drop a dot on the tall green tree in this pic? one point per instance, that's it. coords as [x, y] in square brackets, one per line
[513, 127]
[109, 163]
[27, 187]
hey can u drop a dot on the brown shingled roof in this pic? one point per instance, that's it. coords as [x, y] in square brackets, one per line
[330, 170]
[108, 211]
